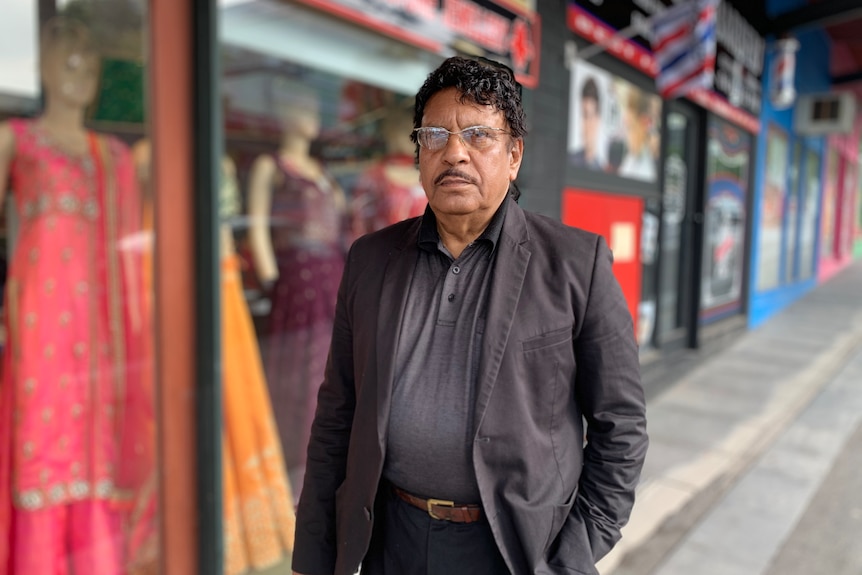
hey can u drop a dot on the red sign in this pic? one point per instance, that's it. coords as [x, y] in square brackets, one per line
[619, 220]
[502, 31]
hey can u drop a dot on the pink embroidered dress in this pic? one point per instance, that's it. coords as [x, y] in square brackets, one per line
[74, 414]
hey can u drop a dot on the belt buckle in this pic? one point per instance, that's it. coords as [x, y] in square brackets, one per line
[442, 503]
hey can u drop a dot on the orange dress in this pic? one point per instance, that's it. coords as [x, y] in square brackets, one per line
[259, 518]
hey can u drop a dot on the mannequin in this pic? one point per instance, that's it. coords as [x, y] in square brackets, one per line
[259, 519]
[296, 239]
[75, 406]
[389, 191]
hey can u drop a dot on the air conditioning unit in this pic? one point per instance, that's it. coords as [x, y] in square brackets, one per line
[827, 113]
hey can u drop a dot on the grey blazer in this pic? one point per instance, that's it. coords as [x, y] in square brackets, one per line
[558, 349]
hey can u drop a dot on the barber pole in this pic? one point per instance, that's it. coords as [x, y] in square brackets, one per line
[782, 91]
[684, 45]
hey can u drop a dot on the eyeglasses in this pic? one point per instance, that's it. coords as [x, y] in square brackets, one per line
[475, 137]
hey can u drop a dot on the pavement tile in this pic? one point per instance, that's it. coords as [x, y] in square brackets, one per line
[739, 535]
[696, 560]
[680, 426]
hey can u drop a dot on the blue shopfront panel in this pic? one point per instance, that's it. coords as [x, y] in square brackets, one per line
[779, 206]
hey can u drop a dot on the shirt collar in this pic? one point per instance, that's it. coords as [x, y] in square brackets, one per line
[429, 236]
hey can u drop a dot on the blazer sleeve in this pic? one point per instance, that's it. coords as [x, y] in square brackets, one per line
[609, 391]
[315, 545]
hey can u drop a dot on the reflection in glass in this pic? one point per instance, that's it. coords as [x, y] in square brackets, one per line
[77, 458]
[388, 190]
[808, 224]
[791, 213]
[676, 174]
[724, 227]
[321, 154]
[297, 219]
[259, 518]
[828, 246]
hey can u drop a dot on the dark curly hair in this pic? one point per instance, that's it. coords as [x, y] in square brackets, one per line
[483, 82]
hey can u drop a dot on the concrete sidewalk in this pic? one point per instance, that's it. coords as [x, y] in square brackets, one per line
[710, 426]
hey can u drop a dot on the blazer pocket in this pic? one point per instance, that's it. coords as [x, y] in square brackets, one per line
[548, 339]
[561, 512]
[571, 548]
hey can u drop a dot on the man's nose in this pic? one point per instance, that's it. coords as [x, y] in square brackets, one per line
[455, 151]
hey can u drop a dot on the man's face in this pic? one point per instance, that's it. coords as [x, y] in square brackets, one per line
[590, 122]
[459, 180]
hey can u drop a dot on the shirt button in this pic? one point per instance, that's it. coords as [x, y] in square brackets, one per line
[451, 297]
[456, 270]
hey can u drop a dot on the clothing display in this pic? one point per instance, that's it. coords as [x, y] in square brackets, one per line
[258, 504]
[75, 406]
[306, 224]
[259, 519]
[379, 201]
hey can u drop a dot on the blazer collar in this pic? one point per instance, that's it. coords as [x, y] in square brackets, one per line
[510, 269]
[393, 298]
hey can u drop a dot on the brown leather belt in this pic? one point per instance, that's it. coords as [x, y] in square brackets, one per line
[442, 509]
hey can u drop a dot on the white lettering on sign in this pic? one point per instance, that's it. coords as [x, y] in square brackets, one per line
[478, 24]
[739, 38]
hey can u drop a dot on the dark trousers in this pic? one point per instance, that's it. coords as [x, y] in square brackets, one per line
[408, 541]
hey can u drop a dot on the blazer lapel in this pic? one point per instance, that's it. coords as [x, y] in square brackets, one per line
[510, 269]
[393, 298]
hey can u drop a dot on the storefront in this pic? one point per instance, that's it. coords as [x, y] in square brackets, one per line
[97, 371]
[675, 211]
[840, 193]
[317, 102]
[789, 184]
[857, 246]
[213, 116]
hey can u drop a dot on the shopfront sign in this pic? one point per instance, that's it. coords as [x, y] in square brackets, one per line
[507, 30]
[735, 94]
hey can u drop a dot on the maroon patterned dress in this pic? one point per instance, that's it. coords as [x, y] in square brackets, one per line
[307, 224]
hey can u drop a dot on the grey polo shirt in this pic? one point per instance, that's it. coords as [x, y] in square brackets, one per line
[431, 428]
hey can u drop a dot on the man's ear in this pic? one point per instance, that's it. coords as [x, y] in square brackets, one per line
[516, 155]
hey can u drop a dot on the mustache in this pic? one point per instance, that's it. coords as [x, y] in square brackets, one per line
[453, 173]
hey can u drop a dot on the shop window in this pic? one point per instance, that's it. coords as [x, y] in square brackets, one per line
[727, 181]
[829, 214]
[614, 131]
[775, 196]
[792, 204]
[317, 152]
[808, 219]
[78, 467]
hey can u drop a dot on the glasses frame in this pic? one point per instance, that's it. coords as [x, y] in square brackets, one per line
[450, 133]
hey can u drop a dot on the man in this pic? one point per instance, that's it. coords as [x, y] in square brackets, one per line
[591, 123]
[469, 346]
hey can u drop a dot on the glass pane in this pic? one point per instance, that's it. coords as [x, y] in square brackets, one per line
[317, 153]
[727, 177]
[78, 491]
[830, 207]
[646, 321]
[791, 213]
[771, 214]
[676, 178]
[808, 225]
